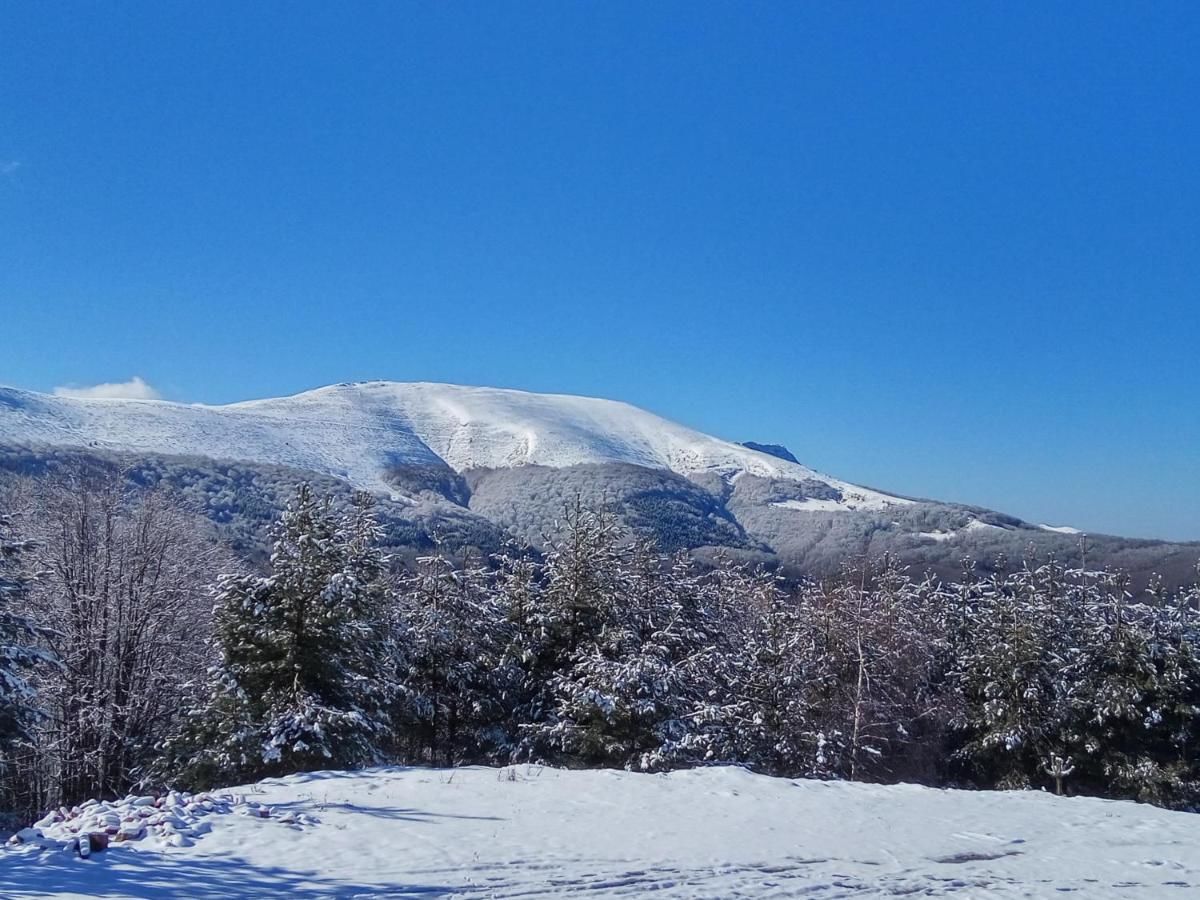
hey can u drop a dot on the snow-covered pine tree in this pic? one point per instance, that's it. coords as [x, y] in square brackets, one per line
[1016, 654]
[690, 641]
[580, 612]
[1176, 644]
[299, 684]
[451, 665]
[365, 636]
[1175, 647]
[771, 680]
[630, 696]
[620, 654]
[21, 641]
[526, 633]
[1137, 692]
[584, 567]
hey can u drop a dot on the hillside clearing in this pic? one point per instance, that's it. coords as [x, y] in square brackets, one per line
[710, 833]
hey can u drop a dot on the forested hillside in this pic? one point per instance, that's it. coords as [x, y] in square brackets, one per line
[143, 650]
[751, 518]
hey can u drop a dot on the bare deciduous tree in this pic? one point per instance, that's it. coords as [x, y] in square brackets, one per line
[125, 592]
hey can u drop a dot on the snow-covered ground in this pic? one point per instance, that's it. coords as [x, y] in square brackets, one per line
[356, 431]
[713, 833]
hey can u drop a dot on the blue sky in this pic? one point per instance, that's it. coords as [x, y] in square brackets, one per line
[946, 249]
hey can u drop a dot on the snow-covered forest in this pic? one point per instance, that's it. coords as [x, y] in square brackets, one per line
[138, 653]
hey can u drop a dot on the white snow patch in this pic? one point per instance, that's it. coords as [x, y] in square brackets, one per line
[1060, 529]
[973, 525]
[720, 832]
[812, 504]
[977, 525]
[937, 535]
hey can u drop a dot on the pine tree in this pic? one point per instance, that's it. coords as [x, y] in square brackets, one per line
[365, 639]
[688, 644]
[578, 625]
[638, 687]
[627, 698]
[300, 683]
[20, 637]
[1060, 673]
[1016, 659]
[452, 666]
[525, 659]
[1136, 701]
[772, 681]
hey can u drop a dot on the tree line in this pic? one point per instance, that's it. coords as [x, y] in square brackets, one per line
[134, 651]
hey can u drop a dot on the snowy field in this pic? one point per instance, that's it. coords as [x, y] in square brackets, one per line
[714, 833]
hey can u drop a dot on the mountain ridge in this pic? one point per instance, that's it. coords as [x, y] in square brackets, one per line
[359, 430]
[474, 467]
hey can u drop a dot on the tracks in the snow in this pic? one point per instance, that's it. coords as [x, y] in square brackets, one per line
[815, 879]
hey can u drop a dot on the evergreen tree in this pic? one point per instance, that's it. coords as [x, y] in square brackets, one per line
[300, 683]
[577, 626]
[628, 698]
[1136, 701]
[526, 661]
[452, 662]
[688, 643]
[772, 682]
[19, 640]
[1016, 656]
[364, 636]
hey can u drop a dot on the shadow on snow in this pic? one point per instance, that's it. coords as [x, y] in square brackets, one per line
[124, 873]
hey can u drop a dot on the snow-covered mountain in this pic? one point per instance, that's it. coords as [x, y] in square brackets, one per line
[478, 467]
[361, 431]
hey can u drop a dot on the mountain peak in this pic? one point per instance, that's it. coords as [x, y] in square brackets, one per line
[777, 450]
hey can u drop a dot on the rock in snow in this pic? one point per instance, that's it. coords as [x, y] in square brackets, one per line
[171, 820]
[539, 833]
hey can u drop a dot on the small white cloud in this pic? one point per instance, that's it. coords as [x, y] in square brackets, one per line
[133, 389]
[9, 166]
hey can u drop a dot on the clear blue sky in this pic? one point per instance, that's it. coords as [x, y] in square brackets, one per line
[948, 249]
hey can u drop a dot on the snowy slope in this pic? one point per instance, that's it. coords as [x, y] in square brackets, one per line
[712, 833]
[355, 431]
